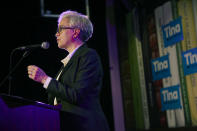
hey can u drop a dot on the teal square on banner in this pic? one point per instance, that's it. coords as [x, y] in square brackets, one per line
[172, 32]
[160, 68]
[189, 59]
[170, 98]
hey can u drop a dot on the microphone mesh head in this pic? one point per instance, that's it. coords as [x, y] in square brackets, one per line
[45, 45]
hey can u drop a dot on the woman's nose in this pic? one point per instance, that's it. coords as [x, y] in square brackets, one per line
[56, 34]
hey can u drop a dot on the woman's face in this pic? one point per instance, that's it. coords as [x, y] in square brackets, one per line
[64, 34]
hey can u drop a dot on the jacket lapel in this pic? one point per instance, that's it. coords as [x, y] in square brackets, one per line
[62, 67]
[73, 58]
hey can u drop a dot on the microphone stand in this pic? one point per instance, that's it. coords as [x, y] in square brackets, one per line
[11, 70]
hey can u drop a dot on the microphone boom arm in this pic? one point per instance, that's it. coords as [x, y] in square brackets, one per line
[11, 70]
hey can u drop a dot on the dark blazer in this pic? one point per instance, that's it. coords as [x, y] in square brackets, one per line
[77, 90]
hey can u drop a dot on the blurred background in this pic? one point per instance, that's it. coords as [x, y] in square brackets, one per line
[32, 22]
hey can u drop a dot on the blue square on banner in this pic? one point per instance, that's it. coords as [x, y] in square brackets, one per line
[189, 59]
[172, 32]
[160, 68]
[170, 98]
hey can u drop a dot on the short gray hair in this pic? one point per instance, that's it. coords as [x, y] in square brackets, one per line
[78, 20]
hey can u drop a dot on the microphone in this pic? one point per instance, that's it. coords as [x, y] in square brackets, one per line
[44, 45]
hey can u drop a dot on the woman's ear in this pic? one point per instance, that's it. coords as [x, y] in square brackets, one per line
[76, 33]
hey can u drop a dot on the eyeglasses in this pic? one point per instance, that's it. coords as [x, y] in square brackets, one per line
[60, 28]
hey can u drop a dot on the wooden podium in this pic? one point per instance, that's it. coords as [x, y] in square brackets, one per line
[18, 114]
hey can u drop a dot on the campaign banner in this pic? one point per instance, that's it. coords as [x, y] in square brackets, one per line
[189, 59]
[160, 68]
[172, 32]
[170, 98]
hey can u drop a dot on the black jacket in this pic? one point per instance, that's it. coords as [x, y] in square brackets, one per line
[77, 90]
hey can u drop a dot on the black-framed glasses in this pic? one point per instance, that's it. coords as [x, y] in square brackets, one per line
[60, 28]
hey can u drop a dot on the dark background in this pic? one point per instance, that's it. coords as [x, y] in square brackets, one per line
[22, 24]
